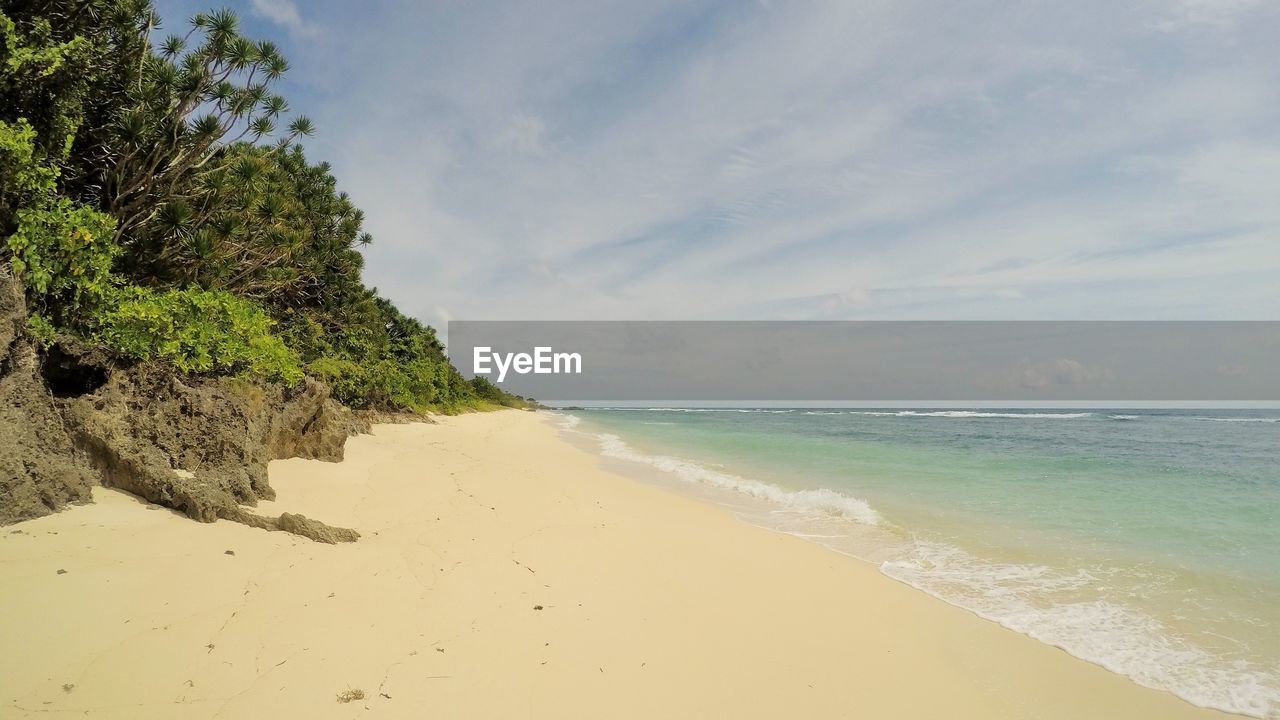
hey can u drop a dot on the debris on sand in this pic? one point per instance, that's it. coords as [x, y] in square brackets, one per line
[350, 695]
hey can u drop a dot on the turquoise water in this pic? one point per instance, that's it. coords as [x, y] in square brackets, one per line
[1145, 541]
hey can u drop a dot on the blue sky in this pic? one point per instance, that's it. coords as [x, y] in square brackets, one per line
[810, 160]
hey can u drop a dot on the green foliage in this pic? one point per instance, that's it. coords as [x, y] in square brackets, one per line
[23, 177]
[61, 250]
[345, 378]
[144, 208]
[43, 77]
[64, 251]
[198, 331]
[195, 96]
[36, 56]
[266, 224]
[488, 392]
[374, 356]
[41, 330]
[419, 385]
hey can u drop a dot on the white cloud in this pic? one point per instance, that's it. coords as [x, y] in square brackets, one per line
[664, 159]
[1190, 14]
[523, 135]
[283, 13]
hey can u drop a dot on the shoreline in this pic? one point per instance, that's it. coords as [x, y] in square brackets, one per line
[1010, 590]
[502, 572]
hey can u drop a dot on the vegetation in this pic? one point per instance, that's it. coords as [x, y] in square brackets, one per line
[155, 200]
[61, 249]
[197, 331]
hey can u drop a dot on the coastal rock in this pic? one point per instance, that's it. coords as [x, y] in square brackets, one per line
[309, 424]
[187, 447]
[316, 530]
[296, 524]
[40, 468]
[201, 446]
[72, 416]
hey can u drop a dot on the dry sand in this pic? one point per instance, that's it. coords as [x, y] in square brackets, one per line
[502, 574]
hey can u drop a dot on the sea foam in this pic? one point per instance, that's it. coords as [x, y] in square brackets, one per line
[1052, 606]
[767, 411]
[879, 413]
[1120, 639]
[1238, 419]
[1006, 415]
[820, 501]
[956, 414]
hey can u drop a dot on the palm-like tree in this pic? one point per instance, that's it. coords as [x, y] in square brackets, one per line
[195, 95]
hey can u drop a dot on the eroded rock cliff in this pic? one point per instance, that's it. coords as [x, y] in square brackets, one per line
[71, 417]
[41, 470]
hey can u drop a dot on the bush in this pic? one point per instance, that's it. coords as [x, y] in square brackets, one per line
[197, 331]
[488, 392]
[62, 251]
[25, 177]
[345, 378]
[418, 385]
[41, 330]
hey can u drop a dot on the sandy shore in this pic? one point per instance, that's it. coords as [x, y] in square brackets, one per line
[502, 574]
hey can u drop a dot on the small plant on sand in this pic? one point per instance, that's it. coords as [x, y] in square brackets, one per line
[350, 695]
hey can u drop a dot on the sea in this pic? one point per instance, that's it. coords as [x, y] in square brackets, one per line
[1145, 541]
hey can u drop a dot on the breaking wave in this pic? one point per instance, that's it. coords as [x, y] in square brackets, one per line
[819, 502]
[1120, 639]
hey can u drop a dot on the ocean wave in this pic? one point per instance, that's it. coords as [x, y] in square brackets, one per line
[1238, 419]
[1066, 609]
[1122, 640]
[974, 414]
[1017, 416]
[876, 413]
[826, 502]
[768, 411]
[567, 421]
[1122, 417]
[958, 414]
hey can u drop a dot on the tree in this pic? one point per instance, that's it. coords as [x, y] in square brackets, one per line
[145, 210]
[267, 225]
[65, 69]
[200, 93]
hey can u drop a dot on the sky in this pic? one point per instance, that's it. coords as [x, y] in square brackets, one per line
[842, 159]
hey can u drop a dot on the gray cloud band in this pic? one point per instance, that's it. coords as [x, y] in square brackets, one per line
[874, 361]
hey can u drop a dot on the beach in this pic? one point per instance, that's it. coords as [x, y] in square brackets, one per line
[502, 572]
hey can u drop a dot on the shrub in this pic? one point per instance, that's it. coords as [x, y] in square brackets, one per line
[386, 383]
[41, 330]
[25, 177]
[488, 392]
[345, 378]
[197, 331]
[62, 251]
[419, 385]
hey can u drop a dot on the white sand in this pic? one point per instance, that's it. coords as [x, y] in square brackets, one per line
[653, 605]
